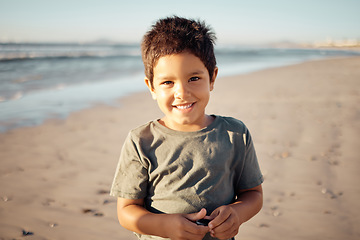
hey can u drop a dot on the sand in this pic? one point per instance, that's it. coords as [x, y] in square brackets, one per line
[305, 122]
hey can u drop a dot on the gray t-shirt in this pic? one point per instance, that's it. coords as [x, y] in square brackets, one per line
[182, 172]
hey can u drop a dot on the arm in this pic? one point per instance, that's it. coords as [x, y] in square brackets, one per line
[134, 217]
[226, 220]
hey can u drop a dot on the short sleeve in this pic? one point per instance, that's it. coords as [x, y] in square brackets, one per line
[131, 176]
[250, 175]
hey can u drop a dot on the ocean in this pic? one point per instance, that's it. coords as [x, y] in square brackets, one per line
[44, 81]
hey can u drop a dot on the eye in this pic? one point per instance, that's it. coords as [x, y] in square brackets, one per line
[194, 79]
[166, 83]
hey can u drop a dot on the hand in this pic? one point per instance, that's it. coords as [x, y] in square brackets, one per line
[224, 223]
[183, 226]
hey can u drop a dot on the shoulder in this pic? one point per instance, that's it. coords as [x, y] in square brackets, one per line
[232, 124]
[142, 131]
[146, 134]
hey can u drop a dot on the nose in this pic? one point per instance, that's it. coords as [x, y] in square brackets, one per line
[181, 91]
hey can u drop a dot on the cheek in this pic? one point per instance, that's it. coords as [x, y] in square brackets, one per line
[204, 93]
[164, 97]
[164, 94]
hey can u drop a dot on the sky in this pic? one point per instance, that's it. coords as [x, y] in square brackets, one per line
[234, 21]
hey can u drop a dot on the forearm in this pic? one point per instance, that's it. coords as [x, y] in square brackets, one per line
[226, 219]
[134, 217]
[137, 219]
[248, 203]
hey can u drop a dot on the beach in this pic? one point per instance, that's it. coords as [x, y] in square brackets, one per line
[305, 123]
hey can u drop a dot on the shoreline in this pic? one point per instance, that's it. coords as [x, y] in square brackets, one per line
[55, 177]
[118, 102]
[59, 114]
[56, 95]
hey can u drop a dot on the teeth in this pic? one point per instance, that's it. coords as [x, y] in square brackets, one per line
[184, 106]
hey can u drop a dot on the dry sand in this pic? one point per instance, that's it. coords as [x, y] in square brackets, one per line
[305, 122]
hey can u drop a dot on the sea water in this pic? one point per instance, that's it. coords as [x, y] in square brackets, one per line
[42, 81]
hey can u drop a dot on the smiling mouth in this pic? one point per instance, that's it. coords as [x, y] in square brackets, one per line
[184, 106]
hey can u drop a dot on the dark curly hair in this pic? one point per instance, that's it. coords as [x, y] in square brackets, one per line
[173, 35]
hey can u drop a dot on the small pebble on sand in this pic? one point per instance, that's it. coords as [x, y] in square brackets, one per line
[285, 154]
[27, 233]
[276, 213]
[102, 191]
[53, 225]
[95, 212]
[264, 225]
[5, 198]
[327, 212]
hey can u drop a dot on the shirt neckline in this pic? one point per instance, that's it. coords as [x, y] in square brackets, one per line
[167, 130]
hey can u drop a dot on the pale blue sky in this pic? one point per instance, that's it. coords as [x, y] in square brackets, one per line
[234, 21]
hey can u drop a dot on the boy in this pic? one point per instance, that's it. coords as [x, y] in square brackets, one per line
[187, 166]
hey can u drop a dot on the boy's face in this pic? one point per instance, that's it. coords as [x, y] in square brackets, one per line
[182, 86]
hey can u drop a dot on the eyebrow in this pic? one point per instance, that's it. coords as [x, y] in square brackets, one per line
[197, 72]
[170, 77]
[165, 77]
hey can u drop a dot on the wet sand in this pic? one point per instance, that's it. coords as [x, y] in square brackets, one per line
[305, 123]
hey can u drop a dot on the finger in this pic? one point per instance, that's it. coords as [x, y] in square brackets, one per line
[224, 229]
[198, 231]
[196, 216]
[189, 235]
[218, 218]
[193, 228]
[183, 228]
[226, 235]
[193, 231]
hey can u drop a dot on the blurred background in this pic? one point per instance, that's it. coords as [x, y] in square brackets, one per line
[57, 57]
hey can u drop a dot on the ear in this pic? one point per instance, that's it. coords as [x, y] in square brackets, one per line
[152, 90]
[212, 82]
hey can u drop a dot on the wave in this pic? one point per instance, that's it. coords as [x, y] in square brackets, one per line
[271, 52]
[20, 52]
[54, 51]
[27, 57]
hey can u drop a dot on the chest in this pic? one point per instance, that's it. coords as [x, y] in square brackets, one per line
[207, 155]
